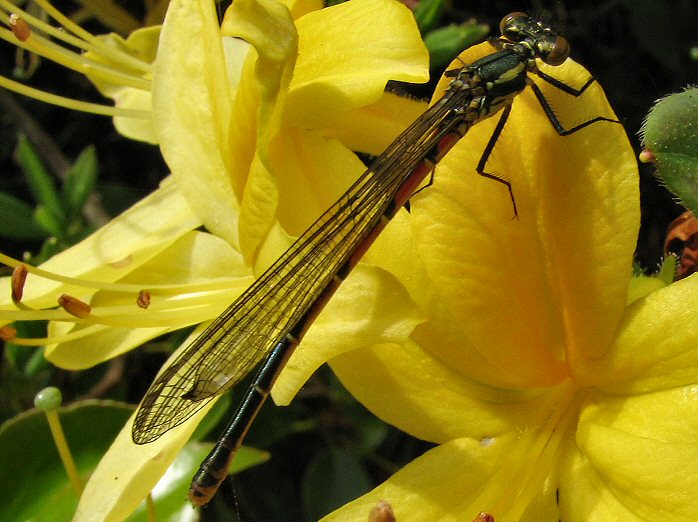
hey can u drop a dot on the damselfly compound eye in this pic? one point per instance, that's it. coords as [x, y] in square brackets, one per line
[508, 19]
[559, 53]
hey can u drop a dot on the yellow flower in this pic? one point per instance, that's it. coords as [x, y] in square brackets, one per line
[257, 119]
[250, 154]
[552, 394]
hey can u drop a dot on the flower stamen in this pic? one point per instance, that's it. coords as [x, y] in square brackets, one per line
[74, 306]
[20, 28]
[7, 333]
[162, 290]
[180, 305]
[522, 475]
[143, 300]
[113, 67]
[19, 277]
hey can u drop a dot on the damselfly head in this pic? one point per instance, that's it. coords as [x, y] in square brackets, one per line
[545, 43]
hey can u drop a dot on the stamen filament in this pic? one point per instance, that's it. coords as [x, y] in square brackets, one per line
[57, 339]
[105, 50]
[523, 473]
[69, 103]
[173, 290]
[42, 46]
[84, 40]
[188, 310]
[32, 314]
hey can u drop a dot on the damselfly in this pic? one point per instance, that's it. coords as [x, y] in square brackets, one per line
[269, 319]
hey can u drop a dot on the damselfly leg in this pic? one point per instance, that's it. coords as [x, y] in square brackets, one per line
[549, 113]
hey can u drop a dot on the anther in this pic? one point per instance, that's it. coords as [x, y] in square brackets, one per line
[74, 306]
[7, 333]
[382, 512]
[143, 299]
[19, 276]
[20, 28]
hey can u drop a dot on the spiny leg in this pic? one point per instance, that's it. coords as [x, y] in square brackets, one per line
[563, 86]
[569, 90]
[480, 169]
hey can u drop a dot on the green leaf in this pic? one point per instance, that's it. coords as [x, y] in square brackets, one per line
[427, 14]
[333, 478]
[248, 457]
[34, 485]
[80, 182]
[49, 249]
[51, 222]
[40, 181]
[448, 42]
[18, 220]
[670, 132]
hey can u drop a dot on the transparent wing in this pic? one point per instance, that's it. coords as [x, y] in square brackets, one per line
[247, 330]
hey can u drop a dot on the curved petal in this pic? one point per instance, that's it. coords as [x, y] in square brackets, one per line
[300, 7]
[128, 472]
[370, 307]
[269, 29]
[656, 344]
[429, 400]
[116, 249]
[323, 84]
[524, 291]
[454, 481]
[141, 129]
[142, 44]
[313, 170]
[635, 459]
[372, 128]
[192, 103]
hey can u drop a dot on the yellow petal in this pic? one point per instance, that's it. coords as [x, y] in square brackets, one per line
[116, 249]
[308, 168]
[300, 7]
[314, 170]
[655, 345]
[372, 128]
[370, 307]
[528, 293]
[142, 44]
[269, 28]
[128, 472]
[636, 459]
[446, 483]
[141, 129]
[347, 53]
[192, 103]
[431, 401]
